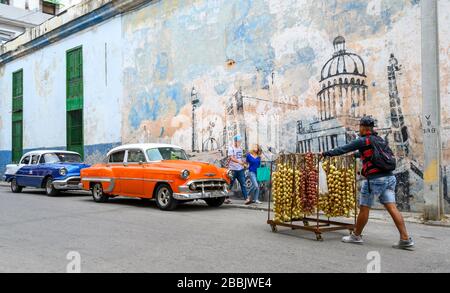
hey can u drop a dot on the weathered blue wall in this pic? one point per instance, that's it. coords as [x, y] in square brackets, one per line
[97, 153]
[5, 158]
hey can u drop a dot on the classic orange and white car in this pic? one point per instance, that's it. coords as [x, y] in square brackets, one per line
[156, 171]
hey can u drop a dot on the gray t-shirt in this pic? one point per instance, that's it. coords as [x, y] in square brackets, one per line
[238, 154]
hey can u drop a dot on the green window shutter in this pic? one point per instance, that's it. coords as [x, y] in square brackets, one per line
[17, 116]
[18, 91]
[75, 79]
[74, 100]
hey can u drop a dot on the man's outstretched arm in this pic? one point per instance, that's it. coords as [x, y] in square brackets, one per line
[348, 148]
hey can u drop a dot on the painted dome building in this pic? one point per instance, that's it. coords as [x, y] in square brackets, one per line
[341, 102]
[343, 84]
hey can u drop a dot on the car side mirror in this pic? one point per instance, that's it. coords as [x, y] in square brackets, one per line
[141, 163]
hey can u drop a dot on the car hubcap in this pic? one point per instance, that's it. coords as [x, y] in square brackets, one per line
[164, 196]
[97, 191]
[49, 186]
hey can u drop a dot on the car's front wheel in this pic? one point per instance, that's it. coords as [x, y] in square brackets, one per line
[15, 188]
[164, 198]
[97, 193]
[50, 190]
[215, 202]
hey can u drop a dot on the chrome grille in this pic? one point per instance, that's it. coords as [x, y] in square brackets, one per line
[207, 185]
[73, 181]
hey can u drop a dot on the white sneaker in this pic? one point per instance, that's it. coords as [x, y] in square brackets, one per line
[258, 202]
[404, 244]
[352, 238]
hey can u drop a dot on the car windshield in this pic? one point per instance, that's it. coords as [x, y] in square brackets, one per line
[62, 158]
[166, 153]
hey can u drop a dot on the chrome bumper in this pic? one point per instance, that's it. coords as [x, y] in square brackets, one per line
[200, 195]
[64, 185]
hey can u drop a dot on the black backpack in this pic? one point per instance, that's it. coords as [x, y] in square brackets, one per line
[383, 157]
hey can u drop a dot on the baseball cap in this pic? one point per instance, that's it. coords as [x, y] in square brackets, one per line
[367, 121]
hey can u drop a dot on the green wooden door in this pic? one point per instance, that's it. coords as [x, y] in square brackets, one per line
[17, 138]
[74, 100]
[75, 131]
[17, 116]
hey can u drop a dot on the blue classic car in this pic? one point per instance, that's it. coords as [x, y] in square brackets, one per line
[49, 169]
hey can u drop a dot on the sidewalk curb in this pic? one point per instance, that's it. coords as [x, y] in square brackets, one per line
[414, 218]
[444, 223]
[248, 207]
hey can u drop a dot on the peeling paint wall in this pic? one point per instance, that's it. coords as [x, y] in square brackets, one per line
[45, 93]
[196, 72]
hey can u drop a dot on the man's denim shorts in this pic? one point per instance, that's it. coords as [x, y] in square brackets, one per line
[383, 187]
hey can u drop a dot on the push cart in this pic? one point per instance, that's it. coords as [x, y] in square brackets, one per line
[317, 222]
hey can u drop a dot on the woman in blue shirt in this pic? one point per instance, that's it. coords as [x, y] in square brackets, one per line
[253, 159]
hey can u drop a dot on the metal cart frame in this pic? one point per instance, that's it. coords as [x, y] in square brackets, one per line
[320, 225]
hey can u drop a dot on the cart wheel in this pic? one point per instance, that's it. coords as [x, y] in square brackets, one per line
[319, 237]
[274, 228]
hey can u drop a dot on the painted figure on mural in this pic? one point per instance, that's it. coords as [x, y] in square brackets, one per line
[210, 143]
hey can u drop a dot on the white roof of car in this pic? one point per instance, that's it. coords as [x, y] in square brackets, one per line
[143, 146]
[40, 152]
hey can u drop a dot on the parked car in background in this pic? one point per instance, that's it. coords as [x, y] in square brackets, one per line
[50, 169]
[156, 171]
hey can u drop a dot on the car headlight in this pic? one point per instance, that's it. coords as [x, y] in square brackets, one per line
[63, 171]
[185, 174]
[230, 174]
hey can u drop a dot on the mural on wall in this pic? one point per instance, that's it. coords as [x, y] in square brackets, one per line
[399, 129]
[290, 75]
[341, 104]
